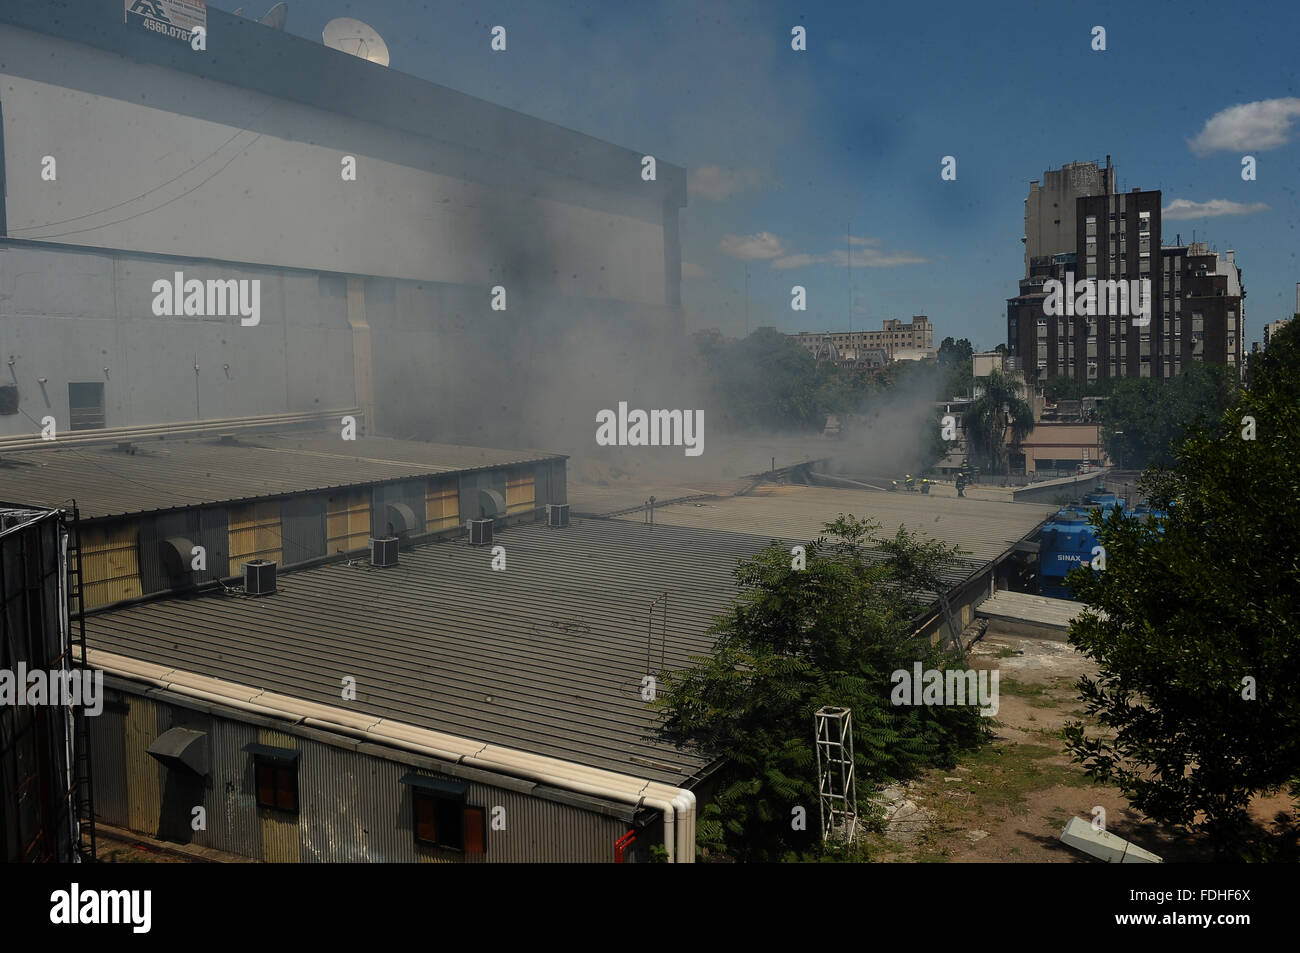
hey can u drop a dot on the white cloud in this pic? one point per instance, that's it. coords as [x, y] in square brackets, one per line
[875, 258]
[715, 183]
[1265, 124]
[1186, 208]
[798, 261]
[752, 247]
[692, 270]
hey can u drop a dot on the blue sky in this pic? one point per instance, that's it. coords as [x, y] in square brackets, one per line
[787, 149]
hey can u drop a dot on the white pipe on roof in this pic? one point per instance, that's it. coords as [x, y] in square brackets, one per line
[677, 805]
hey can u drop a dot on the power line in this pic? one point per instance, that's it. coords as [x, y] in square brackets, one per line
[161, 185]
[128, 218]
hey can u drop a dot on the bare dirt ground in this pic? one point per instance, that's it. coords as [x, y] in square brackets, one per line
[1010, 800]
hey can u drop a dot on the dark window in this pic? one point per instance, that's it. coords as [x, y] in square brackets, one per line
[277, 785]
[8, 399]
[86, 406]
[275, 773]
[442, 818]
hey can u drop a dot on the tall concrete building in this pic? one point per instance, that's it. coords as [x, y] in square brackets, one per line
[897, 340]
[1050, 207]
[1196, 298]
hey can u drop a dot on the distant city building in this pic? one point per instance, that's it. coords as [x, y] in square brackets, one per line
[1272, 328]
[895, 340]
[1196, 297]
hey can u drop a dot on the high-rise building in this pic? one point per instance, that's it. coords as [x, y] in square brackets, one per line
[1194, 295]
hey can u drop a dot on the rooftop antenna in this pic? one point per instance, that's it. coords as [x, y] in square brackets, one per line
[357, 38]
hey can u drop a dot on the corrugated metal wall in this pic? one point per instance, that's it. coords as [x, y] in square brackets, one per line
[302, 528]
[441, 505]
[520, 492]
[352, 806]
[110, 563]
[254, 534]
[143, 772]
[549, 482]
[107, 732]
[347, 519]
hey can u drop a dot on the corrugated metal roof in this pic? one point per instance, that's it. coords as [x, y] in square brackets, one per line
[168, 474]
[546, 656]
[983, 528]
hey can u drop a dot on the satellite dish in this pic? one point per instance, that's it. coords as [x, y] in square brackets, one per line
[276, 16]
[239, 12]
[359, 39]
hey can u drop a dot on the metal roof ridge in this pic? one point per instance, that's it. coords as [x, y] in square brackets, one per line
[456, 749]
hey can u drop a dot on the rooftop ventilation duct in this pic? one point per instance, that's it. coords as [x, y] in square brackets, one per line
[176, 553]
[383, 551]
[401, 519]
[491, 504]
[259, 577]
[182, 748]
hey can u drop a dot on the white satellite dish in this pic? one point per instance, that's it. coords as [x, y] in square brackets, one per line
[359, 39]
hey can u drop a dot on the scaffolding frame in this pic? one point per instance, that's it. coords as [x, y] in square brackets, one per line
[837, 794]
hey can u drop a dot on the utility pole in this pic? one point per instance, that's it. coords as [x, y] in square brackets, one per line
[747, 301]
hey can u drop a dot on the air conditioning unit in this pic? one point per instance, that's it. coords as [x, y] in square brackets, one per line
[480, 532]
[557, 515]
[383, 551]
[259, 577]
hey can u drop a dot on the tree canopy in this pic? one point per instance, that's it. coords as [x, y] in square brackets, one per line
[999, 410]
[1144, 419]
[1197, 648]
[829, 633]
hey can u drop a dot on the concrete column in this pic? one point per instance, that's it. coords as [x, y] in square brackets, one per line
[362, 365]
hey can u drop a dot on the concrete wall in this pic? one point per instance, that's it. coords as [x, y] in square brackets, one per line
[160, 160]
[352, 804]
[85, 316]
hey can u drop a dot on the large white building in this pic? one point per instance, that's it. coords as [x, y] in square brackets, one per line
[128, 157]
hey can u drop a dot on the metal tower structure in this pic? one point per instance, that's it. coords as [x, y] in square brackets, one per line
[837, 796]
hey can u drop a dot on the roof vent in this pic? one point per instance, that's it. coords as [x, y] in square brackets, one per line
[228, 438]
[401, 519]
[259, 577]
[491, 503]
[480, 532]
[176, 553]
[383, 551]
[557, 515]
[125, 447]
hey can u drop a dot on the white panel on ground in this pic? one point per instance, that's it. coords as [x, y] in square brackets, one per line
[1104, 845]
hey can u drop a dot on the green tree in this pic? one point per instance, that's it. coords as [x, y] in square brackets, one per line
[1144, 419]
[830, 633]
[1196, 650]
[998, 410]
[955, 351]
